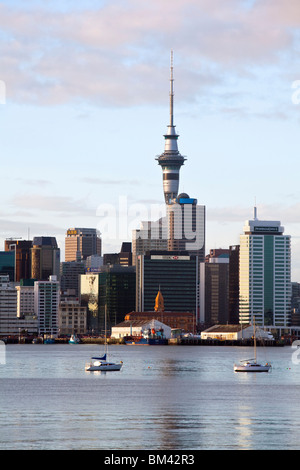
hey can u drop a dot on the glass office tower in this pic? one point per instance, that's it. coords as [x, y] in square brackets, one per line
[265, 274]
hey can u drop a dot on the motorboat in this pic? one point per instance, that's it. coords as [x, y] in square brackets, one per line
[251, 365]
[74, 340]
[101, 364]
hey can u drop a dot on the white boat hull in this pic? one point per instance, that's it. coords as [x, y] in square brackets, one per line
[252, 367]
[109, 366]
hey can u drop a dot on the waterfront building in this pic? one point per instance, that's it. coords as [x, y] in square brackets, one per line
[10, 323]
[233, 307]
[81, 243]
[72, 317]
[45, 258]
[217, 289]
[25, 300]
[22, 250]
[46, 306]
[113, 289]
[175, 274]
[137, 327]
[265, 274]
[184, 321]
[235, 333]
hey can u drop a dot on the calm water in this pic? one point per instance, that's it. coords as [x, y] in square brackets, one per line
[165, 398]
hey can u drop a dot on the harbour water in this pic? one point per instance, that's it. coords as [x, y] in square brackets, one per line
[164, 398]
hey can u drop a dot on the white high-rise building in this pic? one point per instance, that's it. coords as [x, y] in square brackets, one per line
[265, 274]
[46, 305]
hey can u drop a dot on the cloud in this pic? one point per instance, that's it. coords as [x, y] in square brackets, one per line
[34, 182]
[287, 214]
[61, 205]
[111, 54]
[109, 182]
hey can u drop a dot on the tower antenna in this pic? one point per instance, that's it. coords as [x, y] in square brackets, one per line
[171, 90]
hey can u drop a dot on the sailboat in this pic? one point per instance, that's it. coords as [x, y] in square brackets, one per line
[101, 363]
[252, 365]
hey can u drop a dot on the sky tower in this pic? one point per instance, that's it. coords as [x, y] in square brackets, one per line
[171, 160]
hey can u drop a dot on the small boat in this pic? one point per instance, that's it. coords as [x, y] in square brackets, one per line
[49, 341]
[100, 363]
[251, 365]
[74, 339]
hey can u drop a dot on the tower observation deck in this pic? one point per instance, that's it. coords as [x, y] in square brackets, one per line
[171, 160]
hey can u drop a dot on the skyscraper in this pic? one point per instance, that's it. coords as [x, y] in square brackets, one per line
[22, 249]
[186, 226]
[46, 305]
[171, 160]
[45, 258]
[82, 242]
[265, 274]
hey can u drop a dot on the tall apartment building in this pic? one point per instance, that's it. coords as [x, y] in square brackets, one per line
[46, 306]
[25, 301]
[151, 236]
[186, 226]
[69, 277]
[217, 287]
[81, 243]
[113, 289]
[10, 323]
[265, 274]
[7, 264]
[234, 259]
[22, 250]
[45, 258]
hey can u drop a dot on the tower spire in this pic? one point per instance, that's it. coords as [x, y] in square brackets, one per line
[171, 91]
[171, 160]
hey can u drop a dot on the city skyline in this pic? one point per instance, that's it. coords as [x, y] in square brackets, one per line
[87, 105]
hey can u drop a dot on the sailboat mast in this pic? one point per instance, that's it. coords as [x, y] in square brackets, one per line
[105, 339]
[254, 333]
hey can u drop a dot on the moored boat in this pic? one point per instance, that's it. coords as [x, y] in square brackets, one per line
[74, 339]
[252, 365]
[101, 364]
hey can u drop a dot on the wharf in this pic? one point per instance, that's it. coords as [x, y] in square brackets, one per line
[218, 342]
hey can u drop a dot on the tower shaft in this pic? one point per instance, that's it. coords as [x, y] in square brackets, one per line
[171, 160]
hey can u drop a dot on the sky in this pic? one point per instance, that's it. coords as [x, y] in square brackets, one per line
[84, 105]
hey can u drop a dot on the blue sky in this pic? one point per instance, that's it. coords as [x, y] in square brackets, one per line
[87, 104]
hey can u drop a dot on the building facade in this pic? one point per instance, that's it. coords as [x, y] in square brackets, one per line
[22, 250]
[175, 274]
[72, 317]
[81, 243]
[265, 274]
[186, 226]
[46, 306]
[45, 258]
[110, 291]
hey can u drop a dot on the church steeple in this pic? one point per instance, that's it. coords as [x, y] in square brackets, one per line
[159, 302]
[171, 160]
